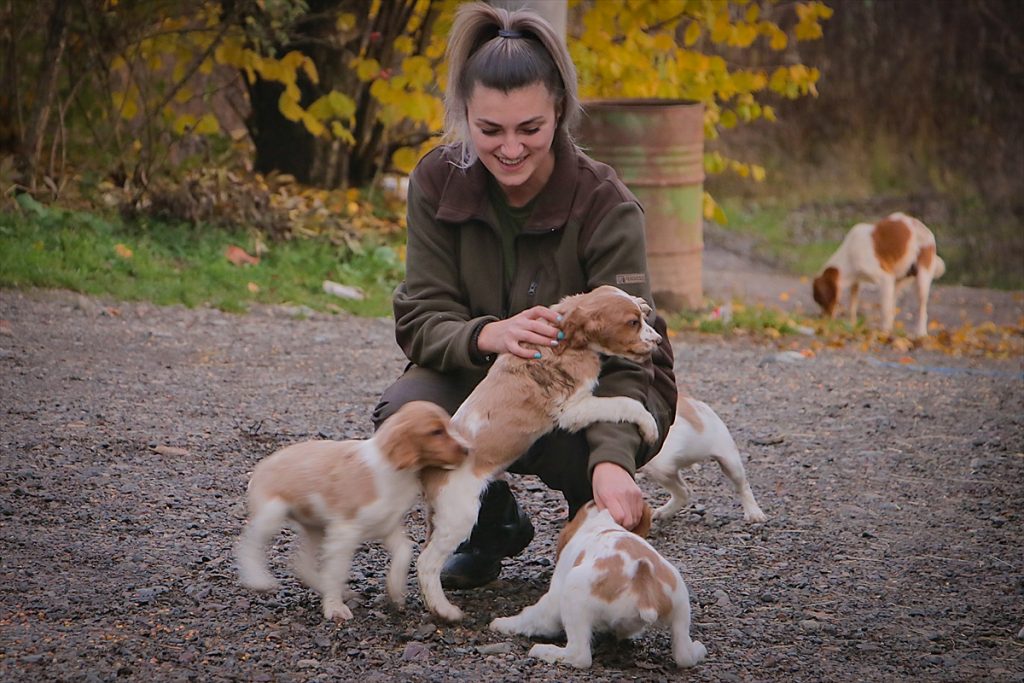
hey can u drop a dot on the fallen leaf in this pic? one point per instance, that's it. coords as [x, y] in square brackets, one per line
[906, 360]
[253, 287]
[122, 251]
[170, 450]
[239, 257]
[784, 296]
[902, 344]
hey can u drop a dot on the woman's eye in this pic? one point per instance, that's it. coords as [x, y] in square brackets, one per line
[531, 131]
[489, 133]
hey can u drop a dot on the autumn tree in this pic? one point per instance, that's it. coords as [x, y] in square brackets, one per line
[335, 92]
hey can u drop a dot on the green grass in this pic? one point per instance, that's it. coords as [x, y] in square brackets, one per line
[182, 264]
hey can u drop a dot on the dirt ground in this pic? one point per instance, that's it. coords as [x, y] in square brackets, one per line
[894, 548]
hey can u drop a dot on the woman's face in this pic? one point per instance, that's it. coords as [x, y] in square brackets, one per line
[512, 133]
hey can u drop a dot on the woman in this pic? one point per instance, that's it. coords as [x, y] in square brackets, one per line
[505, 220]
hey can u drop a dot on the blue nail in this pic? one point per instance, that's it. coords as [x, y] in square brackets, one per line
[537, 355]
[561, 335]
[560, 318]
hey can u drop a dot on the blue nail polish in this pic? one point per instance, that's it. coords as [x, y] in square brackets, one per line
[537, 355]
[560, 317]
[561, 335]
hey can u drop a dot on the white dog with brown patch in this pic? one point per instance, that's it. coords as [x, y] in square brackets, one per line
[606, 579]
[890, 252]
[696, 436]
[521, 400]
[338, 494]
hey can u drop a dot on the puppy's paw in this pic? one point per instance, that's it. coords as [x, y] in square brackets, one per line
[448, 612]
[696, 654]
[336, 611]
[505, 625]
[263, 582]
[558, 655]
[648, 428]
[755, 516]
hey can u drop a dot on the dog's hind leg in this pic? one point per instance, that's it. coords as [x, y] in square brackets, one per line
[578, 633]
[727, 455]
[310, 540]
[339, 547]
[251, 551]
[540, 619]
[685, 651]
[399, 547]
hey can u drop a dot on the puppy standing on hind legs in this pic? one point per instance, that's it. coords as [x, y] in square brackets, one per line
[606, 579]
[697, 435]
[338, 494]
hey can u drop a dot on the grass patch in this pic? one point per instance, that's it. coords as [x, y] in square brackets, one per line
[180, 264]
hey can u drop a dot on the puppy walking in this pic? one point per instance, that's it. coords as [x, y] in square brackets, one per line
[887, 253]
[606, 579]
[698, 435]
[521, 400]
[338, 494]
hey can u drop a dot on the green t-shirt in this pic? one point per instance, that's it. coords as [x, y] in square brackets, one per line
[511, 220]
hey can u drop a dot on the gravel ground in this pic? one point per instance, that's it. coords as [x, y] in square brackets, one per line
[894, 547]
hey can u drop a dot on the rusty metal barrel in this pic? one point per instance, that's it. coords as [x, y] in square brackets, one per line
[657, 148]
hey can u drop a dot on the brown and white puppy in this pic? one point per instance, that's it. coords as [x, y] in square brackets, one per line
[698, 435]
[521, 400]
[606, 579]
[338, 494]
[891, 251]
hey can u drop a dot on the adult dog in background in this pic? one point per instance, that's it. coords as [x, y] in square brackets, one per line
[890, 252]
[521, 400]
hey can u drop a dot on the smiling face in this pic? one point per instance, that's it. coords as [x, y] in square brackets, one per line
[512, 133]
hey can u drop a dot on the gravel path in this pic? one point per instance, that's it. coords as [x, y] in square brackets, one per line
[894, 548]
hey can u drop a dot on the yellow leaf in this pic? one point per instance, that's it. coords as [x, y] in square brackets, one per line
[290, 108]
[123, 251]
[367, 69]
[207, 125]
[404, 159]
[253, 287]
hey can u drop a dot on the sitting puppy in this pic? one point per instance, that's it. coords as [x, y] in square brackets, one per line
[341, 493]
[520, 401]
[891, 251]
[606, 579]
[698, 435]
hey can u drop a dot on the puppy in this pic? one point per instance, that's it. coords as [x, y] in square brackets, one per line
[698, 435]
[893, 250]
[521, 400]
[606, 579]
[340, 493]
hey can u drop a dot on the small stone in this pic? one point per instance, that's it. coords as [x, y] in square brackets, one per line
[308, 663]
[415, 652]
[1020, 633]
[495, 649]
[811, 626]
[722, 598]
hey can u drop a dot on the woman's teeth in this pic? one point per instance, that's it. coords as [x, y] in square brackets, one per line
[510, 162]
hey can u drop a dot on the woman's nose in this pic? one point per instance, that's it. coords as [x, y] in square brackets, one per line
[511, 147]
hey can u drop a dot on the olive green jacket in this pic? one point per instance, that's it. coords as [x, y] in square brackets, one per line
[586, 230]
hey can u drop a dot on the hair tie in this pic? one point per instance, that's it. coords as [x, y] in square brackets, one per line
[509, 33]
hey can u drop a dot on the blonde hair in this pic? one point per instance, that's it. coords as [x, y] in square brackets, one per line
[504, 50]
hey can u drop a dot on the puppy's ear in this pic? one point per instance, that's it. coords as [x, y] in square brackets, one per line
[574, 322]
[826, 289]
[405, 453]
[643, 527]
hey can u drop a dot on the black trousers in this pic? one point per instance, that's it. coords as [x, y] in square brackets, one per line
[560, 458]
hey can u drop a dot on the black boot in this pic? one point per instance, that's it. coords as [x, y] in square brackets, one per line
[502, 530]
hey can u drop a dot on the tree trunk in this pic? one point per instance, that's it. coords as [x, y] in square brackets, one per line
[50, 61]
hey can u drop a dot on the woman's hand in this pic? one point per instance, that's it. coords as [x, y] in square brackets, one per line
[615, 491]
[533, 326]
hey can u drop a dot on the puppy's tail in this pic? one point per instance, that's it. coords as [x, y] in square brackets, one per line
[649, 591]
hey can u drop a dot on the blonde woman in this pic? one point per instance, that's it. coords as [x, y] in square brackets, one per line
[505, 220]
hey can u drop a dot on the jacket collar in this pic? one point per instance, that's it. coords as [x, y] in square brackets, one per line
[465, 193]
